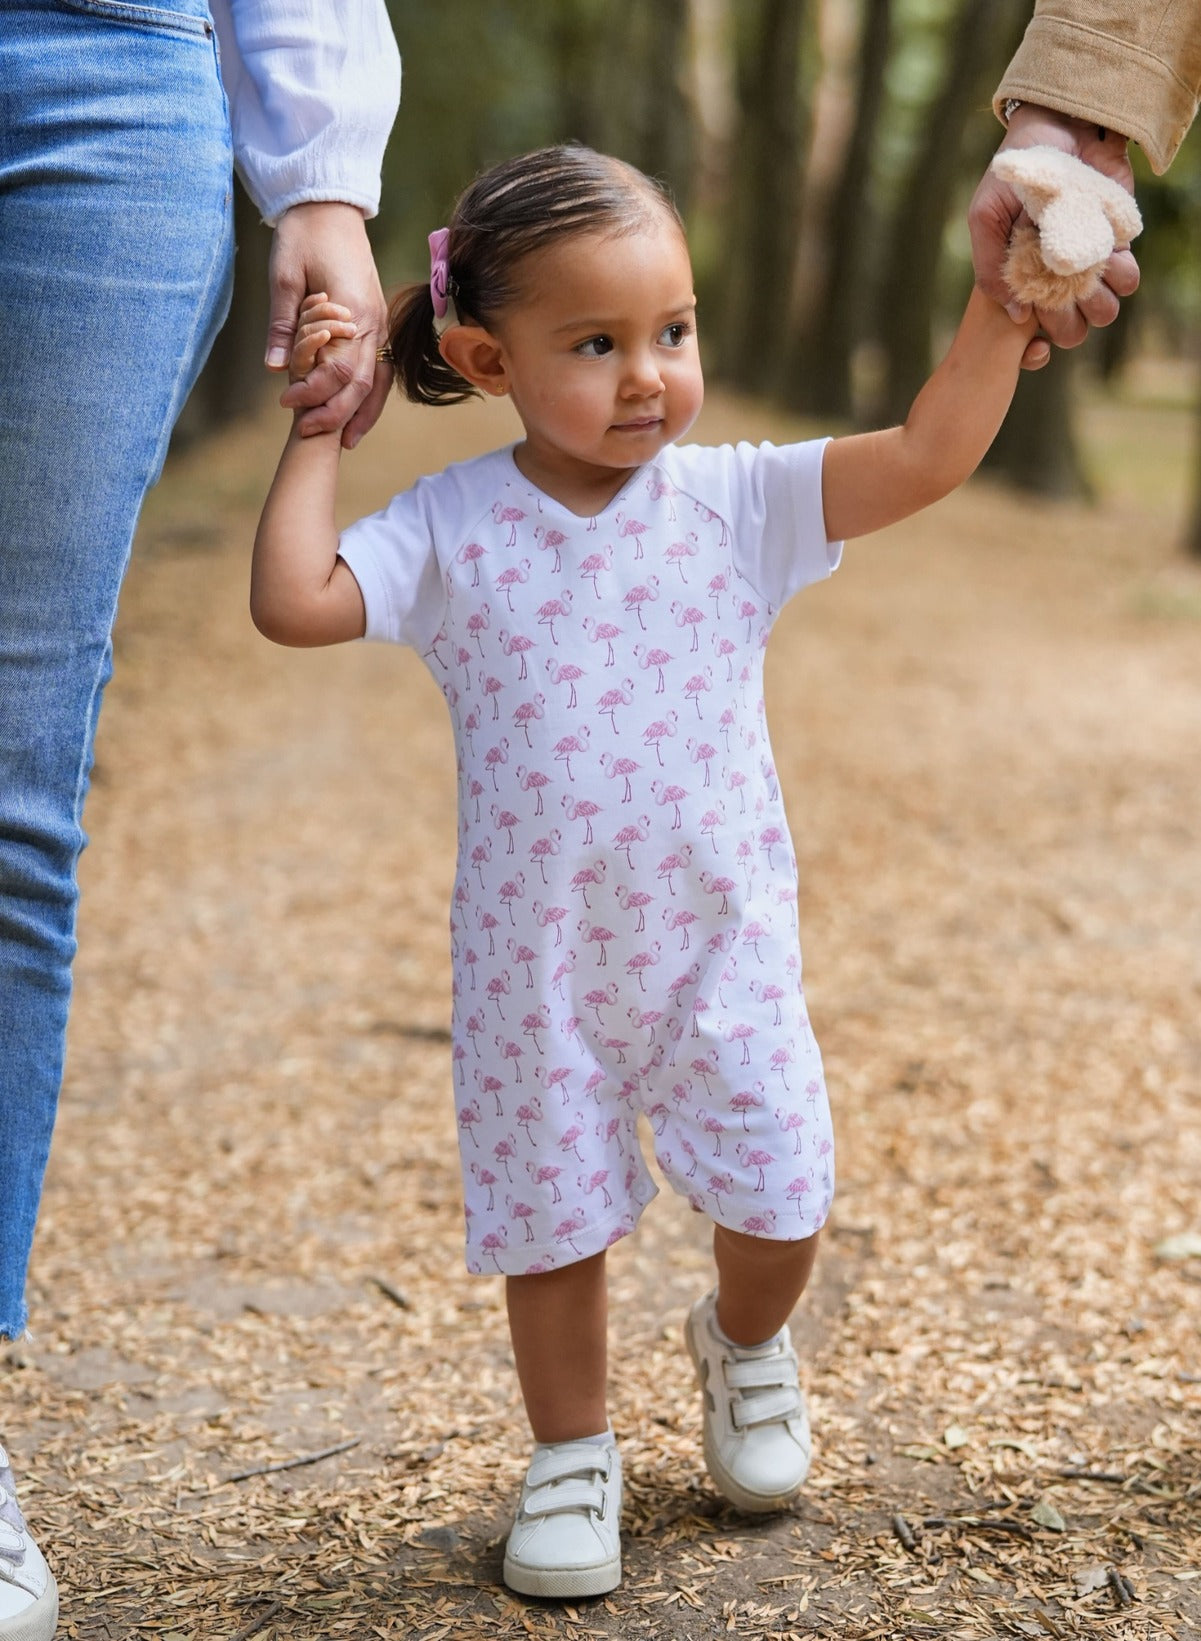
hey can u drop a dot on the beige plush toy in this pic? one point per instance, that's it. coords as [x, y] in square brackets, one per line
[1078, 216]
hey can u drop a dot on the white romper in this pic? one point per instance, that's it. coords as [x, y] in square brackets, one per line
[624, 924]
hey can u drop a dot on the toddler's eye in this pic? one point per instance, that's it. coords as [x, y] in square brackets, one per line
[595, 347]
[676, 335]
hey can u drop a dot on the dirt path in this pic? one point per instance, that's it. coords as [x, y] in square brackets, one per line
[987, 727]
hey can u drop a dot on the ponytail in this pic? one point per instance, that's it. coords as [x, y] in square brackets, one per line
[422, 374]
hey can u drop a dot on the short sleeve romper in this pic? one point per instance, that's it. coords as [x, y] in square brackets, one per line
[624, 919]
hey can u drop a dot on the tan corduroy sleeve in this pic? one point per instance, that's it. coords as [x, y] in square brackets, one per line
[1131, 65]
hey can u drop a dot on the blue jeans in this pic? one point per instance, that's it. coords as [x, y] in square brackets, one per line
[115, 258]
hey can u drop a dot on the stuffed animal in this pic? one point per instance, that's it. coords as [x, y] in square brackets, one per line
[1078, 216]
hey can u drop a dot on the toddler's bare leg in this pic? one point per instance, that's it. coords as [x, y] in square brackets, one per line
[558, 1322]
[758, 1282]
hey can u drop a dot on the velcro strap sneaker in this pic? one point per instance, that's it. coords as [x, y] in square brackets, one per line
[756, 1426]
[28, 1594]
[566, 1540]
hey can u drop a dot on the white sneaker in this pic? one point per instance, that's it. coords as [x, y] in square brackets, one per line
[566, 1540]
[28, 1593]
[756, 1426]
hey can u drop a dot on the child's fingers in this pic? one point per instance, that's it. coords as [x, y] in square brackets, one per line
[320, 307]
[307, 346]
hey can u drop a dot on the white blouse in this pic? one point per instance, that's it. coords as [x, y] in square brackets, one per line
[313, 88]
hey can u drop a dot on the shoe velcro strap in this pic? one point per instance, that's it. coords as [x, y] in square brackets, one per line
[768, 1408]
[567, 1495]
[760, 1372]
[569, 1459]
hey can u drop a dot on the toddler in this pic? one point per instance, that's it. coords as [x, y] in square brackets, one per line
[594, 602]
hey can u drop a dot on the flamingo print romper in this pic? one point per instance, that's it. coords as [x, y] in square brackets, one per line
[624, 923]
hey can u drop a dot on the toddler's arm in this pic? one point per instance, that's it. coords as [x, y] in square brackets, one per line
[873, 479]
[301, 593]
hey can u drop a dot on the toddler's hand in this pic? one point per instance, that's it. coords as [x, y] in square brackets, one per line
[323, 327]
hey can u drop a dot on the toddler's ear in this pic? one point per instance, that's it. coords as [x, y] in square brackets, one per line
[477, 356]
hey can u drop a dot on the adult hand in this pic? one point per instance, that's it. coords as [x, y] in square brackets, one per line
[323, 246]
[995, 209]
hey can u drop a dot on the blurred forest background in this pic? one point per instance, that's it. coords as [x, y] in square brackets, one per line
[823, 153]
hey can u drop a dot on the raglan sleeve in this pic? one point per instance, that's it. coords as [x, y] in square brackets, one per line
[313, 90]
[771, 497]
[392, 556]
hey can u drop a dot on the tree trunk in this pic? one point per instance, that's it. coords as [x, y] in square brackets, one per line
[1192, 534]
[983, 30]
[765, 179]
[234, 383]
[819, 364]
[1038, 448]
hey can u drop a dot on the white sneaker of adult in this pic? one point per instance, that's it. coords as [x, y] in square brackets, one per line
[756, 1427]
[28, 1593]
[566, 1540]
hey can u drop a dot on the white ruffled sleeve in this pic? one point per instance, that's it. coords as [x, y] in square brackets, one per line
[313, 88]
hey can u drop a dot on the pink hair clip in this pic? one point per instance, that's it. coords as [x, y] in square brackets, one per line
[440, 281]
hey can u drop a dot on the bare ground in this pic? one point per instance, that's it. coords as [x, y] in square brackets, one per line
[987, 726]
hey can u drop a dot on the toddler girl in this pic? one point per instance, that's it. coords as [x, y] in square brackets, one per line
[594, 602]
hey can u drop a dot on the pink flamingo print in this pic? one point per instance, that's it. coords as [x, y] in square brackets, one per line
[546, 1173]
[504, 820]
[480, 856]
[469, 1116]
[683, 982]
[708, 516]
[771, 838]
[680, 552]
[660, 489]
[620, 769]
[725, 650]
[596, 565]
[735, 781]
[595, 934]
[581, 809]
[755, 1158]
[549, 917]
[653, 660]
[717, 586]
[498, 987]
[495, 757]
[553, 610]
[505, 1152]
[609, 702]
[766, 991]
[616, 1045]
[601, 997]
[641, 961]
[556, 1077]
[797, 1190]
[712, 822]
[713, 1125]
[492, 688]
[550, 541]
[471, 958]
[570, 746]
[537, 1021]
[665, 793]
[611, 1130]
[488, 1084]
[728, 974]
[701, 753]
[720, 1185]
[748, 611]
[544, 849]
[512, 889]
[747, 1099]
[627, 836]
[791, 1122]
[782, 1057]
[688, 616]
[630, 527]
[471, 553]
[529, 712]
[589, 1183]
[570, 1228]
[593, 875]
[474, 1026]
[705, 1067]
[533, 780]
[478, 622]
[570, 1137]
[679, 861]
[566, 967]
[519, 645]
[763, 1224]
[519, 953]
[680, 921]
[485, 1178]
[476, 790]
[530, 1112]
[494, 1241]
[565, 672]
[742, 1033]
[602, 632]
[523, 1212]
[634, 900]
[644, 1020]
[755, 931]
[697, 686]
[512, 516]
[515, 576]
[661, 730]
[646, 593]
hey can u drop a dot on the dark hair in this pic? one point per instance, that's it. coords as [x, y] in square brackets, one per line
[507, 213]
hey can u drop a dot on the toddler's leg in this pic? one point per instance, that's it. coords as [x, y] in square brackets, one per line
[565, 1541]
[756, 1428]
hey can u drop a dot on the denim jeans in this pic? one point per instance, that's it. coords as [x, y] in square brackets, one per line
[115, 258]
